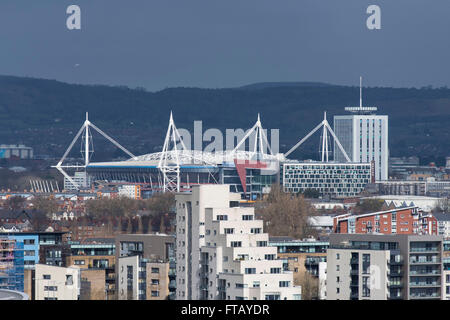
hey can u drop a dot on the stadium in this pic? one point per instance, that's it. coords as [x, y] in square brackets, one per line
[176, 168]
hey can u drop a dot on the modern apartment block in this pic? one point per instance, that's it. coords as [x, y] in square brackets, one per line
[446, 276]
[57, 283]
[381, 267]
[407, 220]
[145, 267]
[222, 252]
[329, 178]
[132, 191]
[443, 222]
[364, 137]
[97, 260]
[11, 264]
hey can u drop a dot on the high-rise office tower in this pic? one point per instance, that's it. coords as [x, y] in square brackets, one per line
[364, 136]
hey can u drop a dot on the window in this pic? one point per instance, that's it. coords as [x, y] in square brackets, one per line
[155, 293]
[261, 243]
[155, 281]
[366, 288]
[284, 284]
[275, 270]
[222, 217]
[69, 280]
[269, 257]
[366, 263]
[28, 253]
[235, 244]
[250, 270]
[28, 241]
[338, 256]
[50, 288]
[272, 297]
[155, 270]
[79, 262]
[247, 217]
[47, 276]
[255, 230]
[228, 230]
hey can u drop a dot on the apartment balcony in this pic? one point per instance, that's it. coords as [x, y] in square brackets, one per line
[395, 273]
[354, 261]
[354, 295]
[395, 262]
[354, 272]
[425, 296]
[395, 285]
[428, 250]
[424, 284]
[424, 261]
[425, 273]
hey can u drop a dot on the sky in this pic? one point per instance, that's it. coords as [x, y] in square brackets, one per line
[158, 44]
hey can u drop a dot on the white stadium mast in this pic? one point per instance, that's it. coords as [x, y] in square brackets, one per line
[88, 149]
[170, 166]
[326, 127]
[260, 139]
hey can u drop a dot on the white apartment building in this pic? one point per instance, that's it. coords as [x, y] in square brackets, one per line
[57, 283]
[364, 138]
[222, 252]
[81, 178]
[132, 191]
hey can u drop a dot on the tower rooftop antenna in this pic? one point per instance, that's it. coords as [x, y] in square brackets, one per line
[361, 109]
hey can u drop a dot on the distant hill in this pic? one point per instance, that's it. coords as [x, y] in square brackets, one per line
[265, 85]
[46, 114]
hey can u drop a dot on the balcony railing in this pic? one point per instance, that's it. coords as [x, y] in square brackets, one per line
[395, 273]
[425, 296]
[430, 249]
[425, 272]
[424, 284]
[424, 261]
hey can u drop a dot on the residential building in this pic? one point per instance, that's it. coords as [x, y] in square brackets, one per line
[93, 285]
[81, 178]
[222, 252]
[11, 264]
[380, 267]
[132, 191]
[145, 266]
[446, 276]
[407, 220]
[57, 283]
[443, 222]
[337, 180]
[300, 256]
[96, 259]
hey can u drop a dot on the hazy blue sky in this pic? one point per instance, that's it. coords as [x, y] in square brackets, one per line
[226, 43]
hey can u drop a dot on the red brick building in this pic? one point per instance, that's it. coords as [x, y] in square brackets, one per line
[408, 220]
